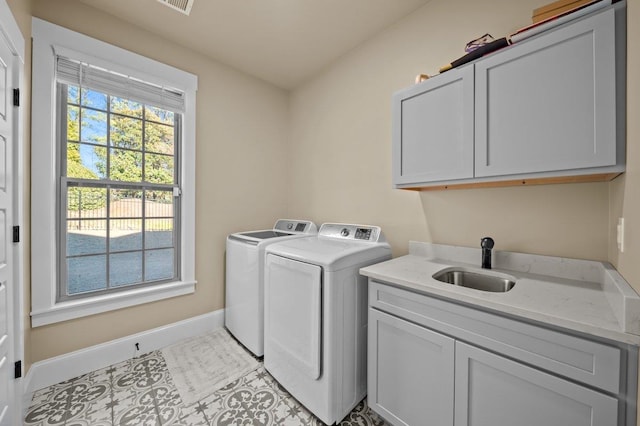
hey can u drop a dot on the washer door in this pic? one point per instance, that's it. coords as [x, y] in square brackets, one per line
[294, 312]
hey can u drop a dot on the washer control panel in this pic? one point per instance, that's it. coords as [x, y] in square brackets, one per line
[296, 226]
[366, 233]
[363, 234]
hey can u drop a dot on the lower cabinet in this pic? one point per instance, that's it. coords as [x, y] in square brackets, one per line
[422, 370]
[412, 370]
[492, 390]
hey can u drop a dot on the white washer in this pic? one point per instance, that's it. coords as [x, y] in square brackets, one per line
[244, 283]
[316, 316]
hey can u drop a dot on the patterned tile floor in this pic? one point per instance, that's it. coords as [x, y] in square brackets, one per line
[140, 392]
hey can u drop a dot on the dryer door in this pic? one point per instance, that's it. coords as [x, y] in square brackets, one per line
[293, 313]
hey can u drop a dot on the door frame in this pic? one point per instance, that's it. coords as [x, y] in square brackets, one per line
[14, 38]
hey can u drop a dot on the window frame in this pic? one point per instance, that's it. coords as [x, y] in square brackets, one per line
[50, 40]
[65, 182]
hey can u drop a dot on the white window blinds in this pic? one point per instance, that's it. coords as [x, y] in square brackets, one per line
[82, 74]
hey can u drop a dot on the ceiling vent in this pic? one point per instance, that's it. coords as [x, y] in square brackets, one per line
[183, 6]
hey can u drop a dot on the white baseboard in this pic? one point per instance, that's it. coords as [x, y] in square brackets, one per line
[64, 367]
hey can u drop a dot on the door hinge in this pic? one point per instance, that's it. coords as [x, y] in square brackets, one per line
[17, 373]
[16, 234]
[16, 97]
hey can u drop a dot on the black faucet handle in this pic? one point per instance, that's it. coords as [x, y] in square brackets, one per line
[487, 243]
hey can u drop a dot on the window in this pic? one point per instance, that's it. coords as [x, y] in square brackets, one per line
[119, 191]
[113, 179]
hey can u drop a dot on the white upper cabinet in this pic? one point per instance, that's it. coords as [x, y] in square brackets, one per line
[433, 129]
[550, 104]
[547, 109]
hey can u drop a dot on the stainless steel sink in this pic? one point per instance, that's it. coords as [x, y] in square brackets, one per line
[494, 281]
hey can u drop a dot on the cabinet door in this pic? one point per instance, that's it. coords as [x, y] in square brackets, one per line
[549, 104]
[410, 372]
[491, 390]
[433, 129]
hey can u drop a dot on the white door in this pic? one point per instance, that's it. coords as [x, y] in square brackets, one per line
[6, 223]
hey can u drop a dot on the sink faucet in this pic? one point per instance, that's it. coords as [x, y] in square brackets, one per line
[487, 244]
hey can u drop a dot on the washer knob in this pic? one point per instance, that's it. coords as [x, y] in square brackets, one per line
[344, 232]
[289, 225]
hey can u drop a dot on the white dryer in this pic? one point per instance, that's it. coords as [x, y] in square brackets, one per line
[244, 283]
[316, 316]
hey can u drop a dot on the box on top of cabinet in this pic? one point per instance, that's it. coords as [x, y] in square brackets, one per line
[557, 7]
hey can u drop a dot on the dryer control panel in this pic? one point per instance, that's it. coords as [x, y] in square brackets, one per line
[344, 231]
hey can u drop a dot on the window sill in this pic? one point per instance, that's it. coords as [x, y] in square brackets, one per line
[94, 305]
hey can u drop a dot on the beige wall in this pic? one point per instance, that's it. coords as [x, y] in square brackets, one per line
[241, 137]
[341, 150]
[341, 144]
[625, 190]
[339, 127]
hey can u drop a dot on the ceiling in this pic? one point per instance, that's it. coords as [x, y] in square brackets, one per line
[284, 42]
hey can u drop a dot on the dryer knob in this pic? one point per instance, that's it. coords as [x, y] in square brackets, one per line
[344, 232]
[289, 225]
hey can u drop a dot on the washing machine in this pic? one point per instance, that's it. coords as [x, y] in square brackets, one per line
[244, 281]
[316, 316]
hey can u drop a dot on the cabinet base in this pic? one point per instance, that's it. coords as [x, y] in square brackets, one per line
[604, 177]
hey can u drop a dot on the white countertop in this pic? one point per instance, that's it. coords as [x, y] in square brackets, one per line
[580, 295]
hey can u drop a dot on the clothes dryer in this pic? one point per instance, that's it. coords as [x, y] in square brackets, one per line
[316, 316]
[244, 286]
